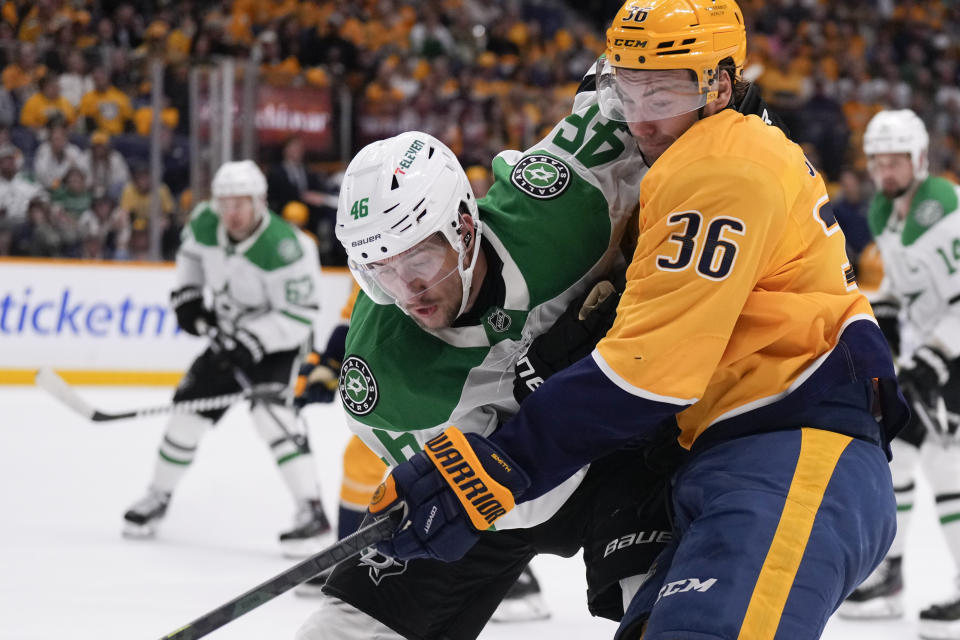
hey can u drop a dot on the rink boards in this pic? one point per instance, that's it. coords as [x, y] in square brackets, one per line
[107, 322]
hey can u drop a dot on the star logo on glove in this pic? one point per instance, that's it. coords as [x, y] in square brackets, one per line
[358, 387]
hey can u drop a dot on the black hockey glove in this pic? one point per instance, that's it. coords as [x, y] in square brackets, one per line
[572, 337]
[929, 373]
[187, 303]
[318, 380]
[886, 313]
[240, 349]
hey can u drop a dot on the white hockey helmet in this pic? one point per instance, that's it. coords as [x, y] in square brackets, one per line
[899, 131]
[240, 178]
[396, 193]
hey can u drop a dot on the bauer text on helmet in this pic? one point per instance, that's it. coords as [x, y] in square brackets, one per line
[647, 36]
[396, 194]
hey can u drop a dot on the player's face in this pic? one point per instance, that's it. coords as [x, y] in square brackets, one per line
[671, 92]
[425, 282]
[656, 136]
[239, 215]
[892, 173]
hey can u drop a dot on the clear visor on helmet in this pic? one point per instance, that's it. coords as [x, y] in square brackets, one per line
[408, 276]
[641, 95]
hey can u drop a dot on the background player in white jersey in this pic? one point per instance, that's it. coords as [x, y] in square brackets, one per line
[467, 287]
[915, 220]
[261, 278]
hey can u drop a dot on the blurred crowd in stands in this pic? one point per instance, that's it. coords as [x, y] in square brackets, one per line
[483, 75]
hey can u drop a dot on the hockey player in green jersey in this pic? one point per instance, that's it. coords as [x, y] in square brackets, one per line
[261, 276]
[915, 220]
[454, 293]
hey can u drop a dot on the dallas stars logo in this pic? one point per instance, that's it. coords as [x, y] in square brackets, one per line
[541, 176]
[358, 387]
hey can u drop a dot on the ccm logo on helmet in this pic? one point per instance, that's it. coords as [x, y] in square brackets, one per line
[367, 240]
[629, 42]
[409, 156]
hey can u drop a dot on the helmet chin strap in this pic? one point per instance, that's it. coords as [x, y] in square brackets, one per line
[466, 273]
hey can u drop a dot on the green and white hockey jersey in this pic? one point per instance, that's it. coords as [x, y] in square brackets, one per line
[554, 217]
[268, 284]
[921, 262]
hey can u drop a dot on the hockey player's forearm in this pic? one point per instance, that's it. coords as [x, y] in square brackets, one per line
[550, 438]
[189, 268]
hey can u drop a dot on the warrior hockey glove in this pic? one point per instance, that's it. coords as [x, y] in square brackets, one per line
[459, 485]
[317, 381]
[187, 303]
[572, 337]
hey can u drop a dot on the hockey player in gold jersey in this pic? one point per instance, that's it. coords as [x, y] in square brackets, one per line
[742, 319]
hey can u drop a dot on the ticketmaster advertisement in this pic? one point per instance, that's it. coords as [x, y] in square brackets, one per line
[104, 322]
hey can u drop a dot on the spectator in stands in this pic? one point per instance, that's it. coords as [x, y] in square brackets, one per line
[327, 46]
[62, 40]
[75, 82]
[106, 107]
[8, 108]
[47, 106]
[106, 35]
[276, 68]
[73, 196]
[105, 167]
[91, 239]
[143, 117]
[55, 157]
[786, 88]
[38, 236]
[111, 223]
[154, 41]
[138, 244]
[135, 197]
[22, 76]
[16, 188]
[128, 31]
[429, 38]
[291, 180]
[38, 20]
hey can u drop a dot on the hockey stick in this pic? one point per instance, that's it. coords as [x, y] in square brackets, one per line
[936, 420]
[53, 384]
[380, 529]
[221, 343]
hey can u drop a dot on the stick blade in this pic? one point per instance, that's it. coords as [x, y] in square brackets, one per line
[53, 384]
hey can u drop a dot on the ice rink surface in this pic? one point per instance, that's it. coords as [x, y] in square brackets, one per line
[65, 570]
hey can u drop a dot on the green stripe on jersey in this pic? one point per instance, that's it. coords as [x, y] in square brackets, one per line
[203, 225]
[173, 460]
[276, 247]
[294, 316]
[950, 517]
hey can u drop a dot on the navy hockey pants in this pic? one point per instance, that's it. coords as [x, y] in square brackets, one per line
[772, 532]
